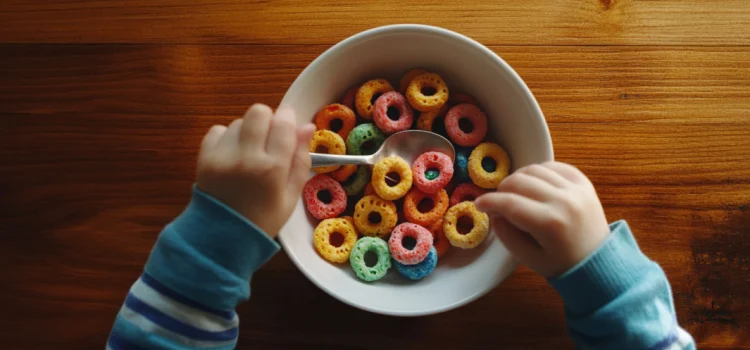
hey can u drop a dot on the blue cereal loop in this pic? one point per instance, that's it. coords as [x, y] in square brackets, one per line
[419, 270]
[461, 164]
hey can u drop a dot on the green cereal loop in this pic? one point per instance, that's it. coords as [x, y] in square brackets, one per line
[357, 258]
[361, 134]
[356, 183]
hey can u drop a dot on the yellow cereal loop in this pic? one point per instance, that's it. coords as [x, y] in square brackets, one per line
[394, 168]
[488, 165]
[329, 246]
[403, 84]
[327, 141]
[374, 216]
[363, 101]
[480, 225]
[422, 101]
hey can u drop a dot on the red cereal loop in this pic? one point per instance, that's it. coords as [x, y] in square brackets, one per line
[349, 97]
[459, 98]
[365, 93]
[337, 118]
[432, 161]
[477, 121]
[383, 121]
[332, 206]
[420, 250]
[441, 244]
[466, 191]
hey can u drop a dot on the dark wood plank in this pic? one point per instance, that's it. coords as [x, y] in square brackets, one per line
[99, 149]
[539, 22]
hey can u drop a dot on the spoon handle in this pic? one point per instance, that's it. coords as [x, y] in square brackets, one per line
[322, 159]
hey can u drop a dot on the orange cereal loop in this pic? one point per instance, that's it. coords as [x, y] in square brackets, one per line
[337, 118]
[334, 239]
[369, 190]
[344, 172]
[414, 211]
[408, 77]
[441, 244]
[374, 216]
[427, 119]
[387, 170]
[421, 98]
[326, 141]
[366, 96]
[478, 225]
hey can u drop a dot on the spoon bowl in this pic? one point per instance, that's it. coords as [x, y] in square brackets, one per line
[408, 145]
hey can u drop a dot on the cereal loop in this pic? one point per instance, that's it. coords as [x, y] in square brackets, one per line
[356, 183]
[369, 190]
[441, 244]
[374, 216]
[433, 120]
[364, 139]
[466, 192]
[461, 164]
[357, 259]
[403, 84]
[460, 98]
[349, 97]
[410, 256]
[424, 169]
[392, 167]
[422, 102]
[492, 156]
[420, 270]
[479, 230]
[365, 94]
[344, 172]
[326, 141]
[427, 218]
[337, 118]
[324, 234]
[385, 120]
[466, 125]
[324, 197]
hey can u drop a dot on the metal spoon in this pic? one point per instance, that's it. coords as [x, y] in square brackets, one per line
[407, 144]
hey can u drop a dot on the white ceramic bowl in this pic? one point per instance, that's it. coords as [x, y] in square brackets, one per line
[516, 122]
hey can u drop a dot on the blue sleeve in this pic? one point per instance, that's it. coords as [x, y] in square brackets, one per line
[619, 299]
[198, 271]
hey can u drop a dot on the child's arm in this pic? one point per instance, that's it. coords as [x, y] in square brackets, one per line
[249, 178]
[550, 218]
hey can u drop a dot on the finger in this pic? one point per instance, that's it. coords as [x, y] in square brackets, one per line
[567, 171]
[212, 137]
[300, 168]
[257, 121]
[529, 186]
[282, 138]
[231, 137]
[524, 213]
[519, 243]
[546, 174]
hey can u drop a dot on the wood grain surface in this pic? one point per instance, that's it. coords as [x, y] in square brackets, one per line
[103, 104]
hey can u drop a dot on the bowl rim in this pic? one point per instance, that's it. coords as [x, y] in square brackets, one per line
[411, 28]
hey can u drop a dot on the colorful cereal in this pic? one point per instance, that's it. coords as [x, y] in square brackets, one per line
[326, 141]
[421, 237]
[432, 171]
[466, 125]
[492, 157]
[412, 203]
[374, 216]
[421, 270]
[326, 235]
[392, 113]
[356, 183]
[422, 101]
[324, 197]
[337, 118]
[441, 244]
[408, 77]
[461, 164]
[364, 99]
[357, 259]
[466, 192]
[394, 168]
[480, 225]
[364, 139]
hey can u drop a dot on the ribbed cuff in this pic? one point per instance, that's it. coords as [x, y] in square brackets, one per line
[607, 273]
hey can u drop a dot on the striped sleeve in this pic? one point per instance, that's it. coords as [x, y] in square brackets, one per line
[199, 270]
[619, 299]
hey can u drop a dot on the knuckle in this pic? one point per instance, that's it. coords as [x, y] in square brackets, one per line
[555, 223]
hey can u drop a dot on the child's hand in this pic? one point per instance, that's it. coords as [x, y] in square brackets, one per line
[257, 165]
[548, 216]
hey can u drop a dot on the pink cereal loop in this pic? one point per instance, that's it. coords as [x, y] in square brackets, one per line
[380, 113]
[477, 119]
[405, 256]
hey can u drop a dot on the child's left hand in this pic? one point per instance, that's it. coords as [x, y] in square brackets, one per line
[258, 165]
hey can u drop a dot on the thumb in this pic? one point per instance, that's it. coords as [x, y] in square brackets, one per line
[301, 159]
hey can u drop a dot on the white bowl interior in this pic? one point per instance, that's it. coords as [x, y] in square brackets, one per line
[516, 122]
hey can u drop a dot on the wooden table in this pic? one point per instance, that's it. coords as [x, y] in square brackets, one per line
[103, 104]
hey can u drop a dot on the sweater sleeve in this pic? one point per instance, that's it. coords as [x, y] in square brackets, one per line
[619, 299]
[198, 271]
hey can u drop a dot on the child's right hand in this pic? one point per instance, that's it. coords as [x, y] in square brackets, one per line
[548, 216]
[257, 165]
